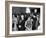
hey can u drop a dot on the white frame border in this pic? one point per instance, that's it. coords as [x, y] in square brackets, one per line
[24, 32]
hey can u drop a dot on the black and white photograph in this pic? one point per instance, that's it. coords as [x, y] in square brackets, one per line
[26, 18]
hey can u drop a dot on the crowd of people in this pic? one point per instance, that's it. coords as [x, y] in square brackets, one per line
[25, 21]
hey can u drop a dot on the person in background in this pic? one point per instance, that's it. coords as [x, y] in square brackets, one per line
[14, 24]
[35, 20]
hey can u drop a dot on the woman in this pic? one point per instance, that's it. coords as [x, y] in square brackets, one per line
[28, 24]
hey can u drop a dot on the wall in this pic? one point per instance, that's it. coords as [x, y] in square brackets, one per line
[2, 18]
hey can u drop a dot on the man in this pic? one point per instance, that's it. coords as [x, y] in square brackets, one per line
[35, 20]
[21, 24]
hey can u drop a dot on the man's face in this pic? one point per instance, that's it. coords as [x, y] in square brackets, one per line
[22, 17]
[35, 11]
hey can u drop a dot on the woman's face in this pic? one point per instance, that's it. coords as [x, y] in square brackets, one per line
[29, 18]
